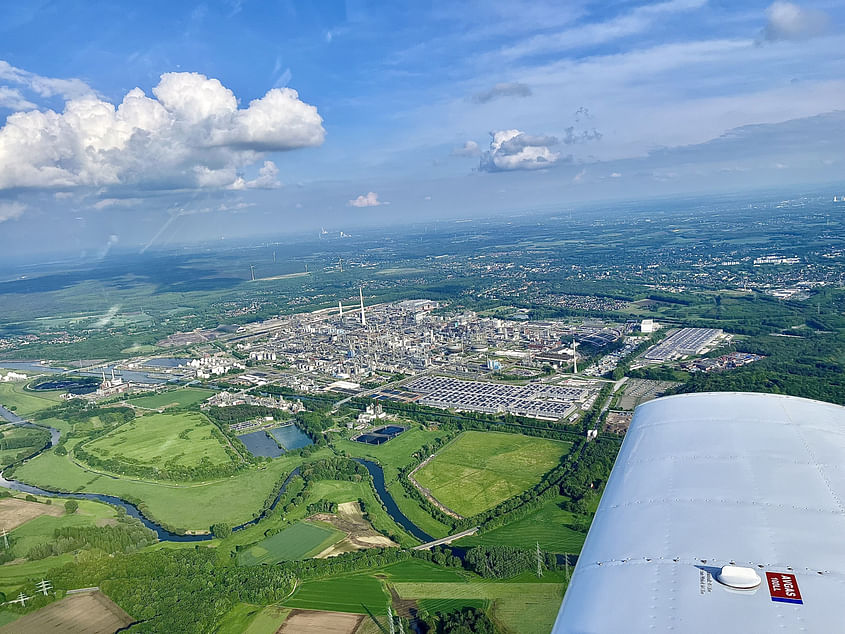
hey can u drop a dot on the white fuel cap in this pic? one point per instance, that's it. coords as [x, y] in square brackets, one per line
[738, 577]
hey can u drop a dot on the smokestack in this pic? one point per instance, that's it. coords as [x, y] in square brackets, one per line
[252, 271]
[574, 358]
[340, 308]
[361, 294]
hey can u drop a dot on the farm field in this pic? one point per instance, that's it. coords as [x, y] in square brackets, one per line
[300, 541]
[23, 403]
[523, 608]
[478, 470]
[194, 506]
[186, 439]
[546, 526]
[184, 397]
[89, 612]
[355, 593]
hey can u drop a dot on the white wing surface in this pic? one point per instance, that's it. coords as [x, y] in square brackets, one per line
[754, 483]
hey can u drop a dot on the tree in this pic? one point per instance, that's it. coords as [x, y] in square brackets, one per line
[71, 506]
[221, 530]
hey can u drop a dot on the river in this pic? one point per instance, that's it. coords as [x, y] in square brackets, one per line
[165, 535]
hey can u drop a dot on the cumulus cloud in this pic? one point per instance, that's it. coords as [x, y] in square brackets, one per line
[788, 21]
[580, 136]
[367, 200]
[190, 134]
[509, 89]
[470, 148]
[9, 210]
[267, 179]
[515, 150]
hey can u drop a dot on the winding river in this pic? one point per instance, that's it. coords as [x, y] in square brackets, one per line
[165, 535]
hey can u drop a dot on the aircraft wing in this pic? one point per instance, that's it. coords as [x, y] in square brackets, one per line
[751, 482]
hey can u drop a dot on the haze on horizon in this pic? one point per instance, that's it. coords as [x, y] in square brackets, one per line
[159, 123]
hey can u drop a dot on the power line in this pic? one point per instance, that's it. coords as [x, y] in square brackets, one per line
[539, 561]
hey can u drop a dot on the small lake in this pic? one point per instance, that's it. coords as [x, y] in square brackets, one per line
[289, 436]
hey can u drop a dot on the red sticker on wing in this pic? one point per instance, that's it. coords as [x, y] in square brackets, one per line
[783, 587]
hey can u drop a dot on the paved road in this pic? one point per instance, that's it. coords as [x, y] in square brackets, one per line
[447, 540]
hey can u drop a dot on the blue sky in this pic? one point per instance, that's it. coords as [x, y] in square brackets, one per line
[402, 110]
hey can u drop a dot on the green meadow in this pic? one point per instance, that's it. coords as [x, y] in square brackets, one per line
[185, 397]
[300, 541]
[192, 506]
[479, 470]
[185, 439]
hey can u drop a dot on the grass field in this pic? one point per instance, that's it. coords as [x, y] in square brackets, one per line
[194, 506]
[546, 526]
[13, 397]
[300, 541]
[184, 439]
[40, 530]
[351, 593]
[478, 470]
[523, 608]
[184, 397]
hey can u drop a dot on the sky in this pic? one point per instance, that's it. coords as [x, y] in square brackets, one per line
[148, 124]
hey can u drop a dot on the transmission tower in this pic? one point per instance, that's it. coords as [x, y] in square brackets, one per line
[390, 620]
[539, 561]
[566, 560]
[5, 537]
[43, 587]
[22, 599]
[401, 627]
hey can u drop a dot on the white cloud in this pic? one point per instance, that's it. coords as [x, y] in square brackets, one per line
[44, 86]
[636, 21]
[470, 148]
[579, 177]
[615, 175]
[267, 179]
[510, 89]
[515, 150]
[367, 200]
[788, 21]
[9, 210]
[13, 99]
[191, 135]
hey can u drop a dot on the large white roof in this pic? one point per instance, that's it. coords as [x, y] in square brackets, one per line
[707, 480]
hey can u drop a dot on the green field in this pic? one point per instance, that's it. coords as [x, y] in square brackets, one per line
[194, 506]
[478, 470]
[546, 526]
[300, 541]
[185, 439]
[173, 398]
[24, 403]
[355, 593]
[40, 530]
[523, 608]
[12, 432]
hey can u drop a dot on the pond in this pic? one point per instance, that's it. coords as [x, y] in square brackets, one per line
[259, 444]
[290, 437]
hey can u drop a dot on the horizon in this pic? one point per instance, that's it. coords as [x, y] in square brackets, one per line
[355, 114]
